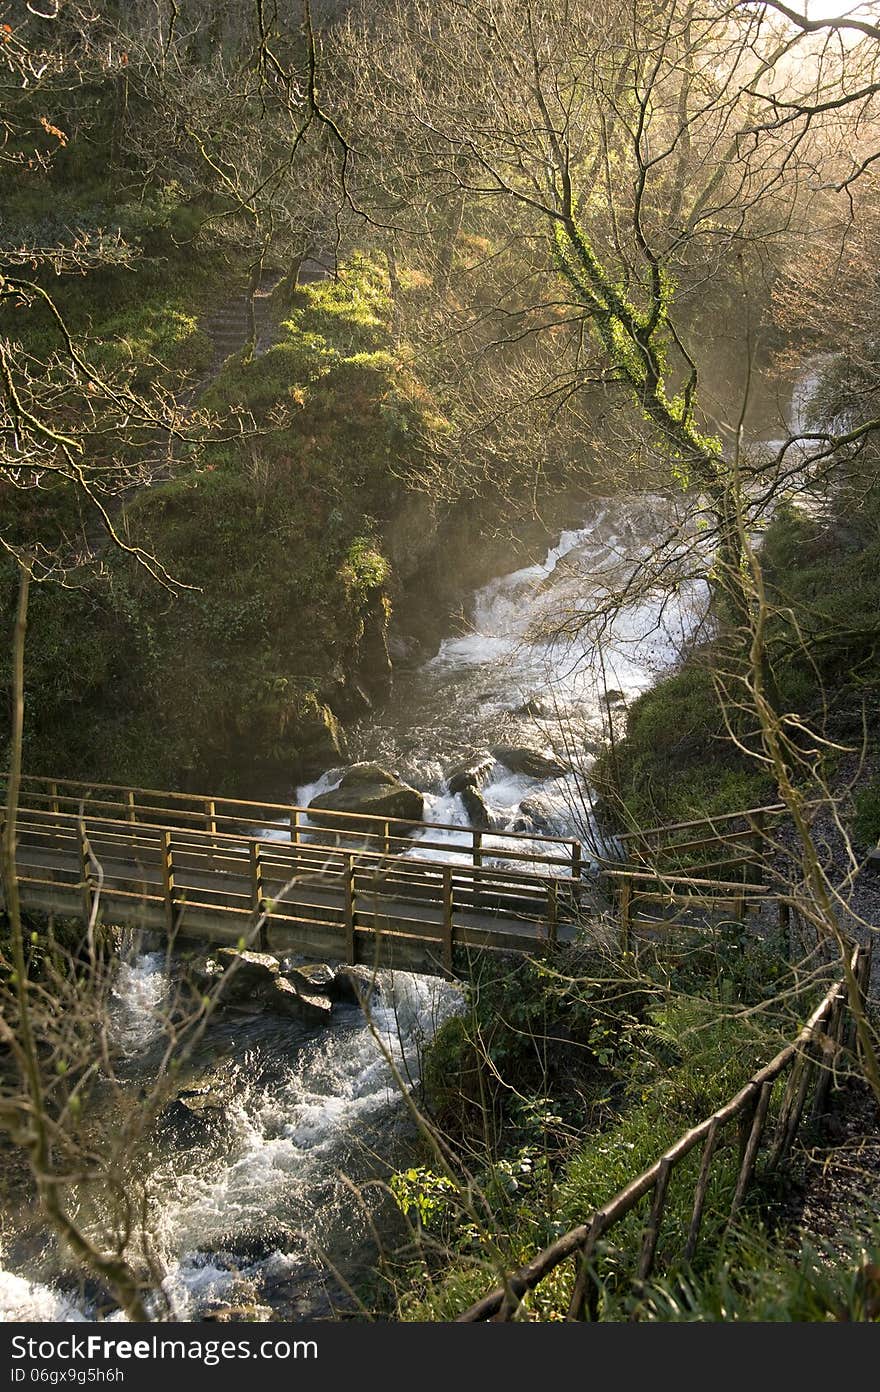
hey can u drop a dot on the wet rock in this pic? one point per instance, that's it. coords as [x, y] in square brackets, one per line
[613, 697]
[476, 809]
[405, 651]
[537, 813]
[238, 1314]
[317, 977]
[355, 985]
[307, 1006]
[485, 696]
[254, 973]
[532, 707]
[520, 759]
[468, 773]
[372, 791]
[319, 737]
[196, 1115]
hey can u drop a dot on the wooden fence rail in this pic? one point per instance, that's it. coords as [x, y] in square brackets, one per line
[809, 1060]
[273, 820]
[668, 868]
[316, 892]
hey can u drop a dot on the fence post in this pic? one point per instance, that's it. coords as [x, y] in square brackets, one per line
[701, 1189]
[85, 872]
[54, 791]
[553, 911]
[477, 846]
[168, 890]
[576, 871]
[584, 1302]
[758, 823]
[257, 901]
[652, 1233]
[210, 817]
[751, 1151]
[348, 877]
[739, 905]
[386, 837]
[626, 887]
[130, 814]
[447, 919]
[801, 1075]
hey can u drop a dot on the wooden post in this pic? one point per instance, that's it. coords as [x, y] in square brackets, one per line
[576, 871]
[626, 886]
[130, 814]
[257, 901]
[553, 911]
[167, 854]
[739, 903]
[447, 919]
[54, 792]
[85, 872]
[751, 1151]
[804, 1069]
[386, 837]
[701, 1189]
[785, 1107]
[758, 845]
[348, 877]
[828, 1061]
[210, 817]
[295, 842]
[477, 856]
[652, 1233]
[584, 1302]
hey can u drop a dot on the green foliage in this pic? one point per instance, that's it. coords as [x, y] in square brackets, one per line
[423, 1192]
[645, 1057]
[279, 537]
[677, 760]
[757, 1276]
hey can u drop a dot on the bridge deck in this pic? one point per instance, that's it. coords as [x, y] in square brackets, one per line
[334, 891]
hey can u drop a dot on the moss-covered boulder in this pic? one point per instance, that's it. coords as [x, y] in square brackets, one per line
[373, 792]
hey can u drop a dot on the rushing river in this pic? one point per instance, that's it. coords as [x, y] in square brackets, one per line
[257, 1209]
[247, 1211]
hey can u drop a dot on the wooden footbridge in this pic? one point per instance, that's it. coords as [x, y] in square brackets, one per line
[352, 888]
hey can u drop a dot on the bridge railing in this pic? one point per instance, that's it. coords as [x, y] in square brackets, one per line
[717, 863]
[809, 1061]
[344, 892]
[557, 855]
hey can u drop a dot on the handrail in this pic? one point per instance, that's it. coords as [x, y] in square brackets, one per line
[285, 808]
[296, 850]
[751, 1102]
[771, 808]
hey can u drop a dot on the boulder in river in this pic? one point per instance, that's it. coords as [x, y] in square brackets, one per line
[310, 1007]
[254, 973]
[469, 773]
[355, 985]
[532, 707]
[310, 976]
[476, 809]
[373, 792]
[537, 814]
[520, 759]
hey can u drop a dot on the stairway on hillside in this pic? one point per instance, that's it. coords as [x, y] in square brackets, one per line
[228, 325]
